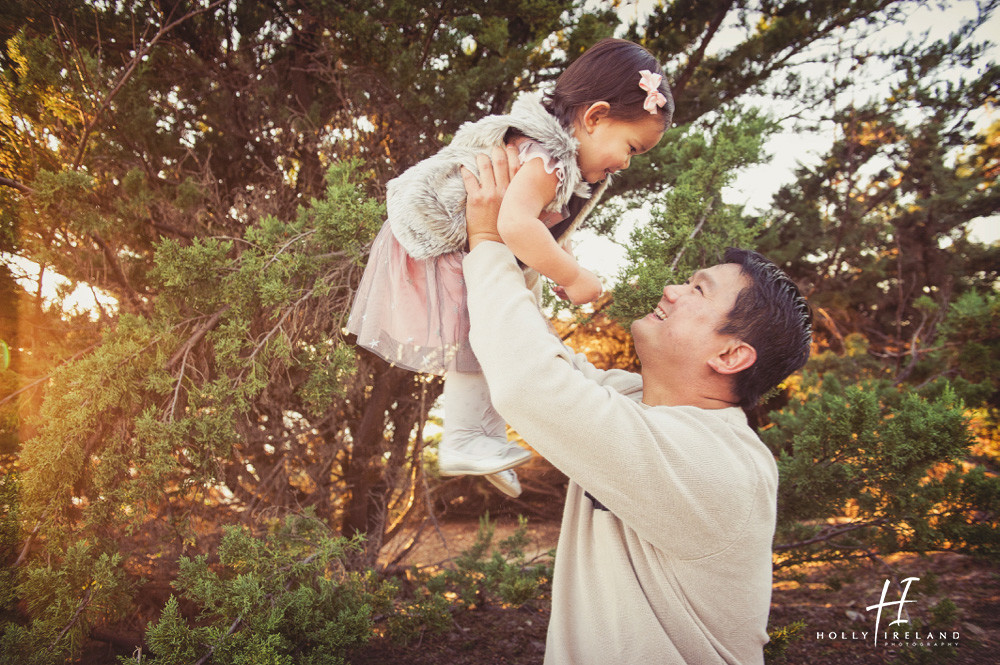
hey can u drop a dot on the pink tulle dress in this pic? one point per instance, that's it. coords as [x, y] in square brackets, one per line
[413, 312]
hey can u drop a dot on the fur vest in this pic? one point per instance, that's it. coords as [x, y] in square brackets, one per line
[426, 204]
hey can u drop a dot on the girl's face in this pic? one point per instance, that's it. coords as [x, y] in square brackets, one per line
[608, 144]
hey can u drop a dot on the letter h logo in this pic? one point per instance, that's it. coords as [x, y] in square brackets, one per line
[901, 602]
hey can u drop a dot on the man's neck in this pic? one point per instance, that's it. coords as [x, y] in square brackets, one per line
[698, 393]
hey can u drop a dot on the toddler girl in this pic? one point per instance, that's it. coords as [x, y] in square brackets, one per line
[609, 105]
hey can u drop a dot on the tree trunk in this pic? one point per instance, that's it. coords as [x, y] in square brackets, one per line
[365, 508]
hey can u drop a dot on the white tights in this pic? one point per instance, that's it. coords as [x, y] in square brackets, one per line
[471, 424]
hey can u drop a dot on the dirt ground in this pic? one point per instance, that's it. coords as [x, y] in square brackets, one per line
[833, 602]
[829, 600]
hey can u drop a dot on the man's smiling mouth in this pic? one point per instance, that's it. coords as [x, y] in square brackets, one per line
[659, 313]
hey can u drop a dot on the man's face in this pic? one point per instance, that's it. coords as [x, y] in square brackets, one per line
[683, 327]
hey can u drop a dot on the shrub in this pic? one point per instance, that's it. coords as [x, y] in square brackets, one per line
[288, 598]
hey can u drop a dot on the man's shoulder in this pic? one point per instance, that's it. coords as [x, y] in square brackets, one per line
[621, 381]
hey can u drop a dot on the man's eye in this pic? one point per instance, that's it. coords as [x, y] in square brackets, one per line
[697, 287]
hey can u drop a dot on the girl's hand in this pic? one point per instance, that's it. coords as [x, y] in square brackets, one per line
[585, 288]
[484, 194]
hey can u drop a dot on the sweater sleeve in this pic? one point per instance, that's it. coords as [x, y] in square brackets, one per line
[647, 465]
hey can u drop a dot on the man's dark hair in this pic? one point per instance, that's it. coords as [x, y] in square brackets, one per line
[771, 316]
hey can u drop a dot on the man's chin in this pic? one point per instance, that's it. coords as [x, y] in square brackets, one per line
[637, 328]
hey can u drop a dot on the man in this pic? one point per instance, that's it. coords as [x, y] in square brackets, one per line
[664, 554]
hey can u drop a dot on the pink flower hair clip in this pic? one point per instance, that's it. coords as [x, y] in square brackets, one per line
[650, 82]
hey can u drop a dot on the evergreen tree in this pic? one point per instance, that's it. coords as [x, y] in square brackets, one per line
[883, 222]
[875, 449]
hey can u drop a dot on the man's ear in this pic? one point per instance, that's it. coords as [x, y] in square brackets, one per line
[594, 114]
[735, 358]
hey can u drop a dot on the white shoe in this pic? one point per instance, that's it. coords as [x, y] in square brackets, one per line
[494, 456]
[506, 482]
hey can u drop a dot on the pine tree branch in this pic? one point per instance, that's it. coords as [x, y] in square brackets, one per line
[232, 629]
[112, 258]
[48, 376]
[100, 308]
[699, 55]
[27, 541]
[914, 353]
[832, 325]
[180, 379]
[13, 184]
[192, 341]
[140, 54]
[270, 333]
[831, 534]
[197, 335]
[694, 233]
[239, 620]
[81, 606]
[288, 244]
[412, 490]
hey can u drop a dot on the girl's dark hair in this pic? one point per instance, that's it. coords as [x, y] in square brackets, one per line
[608, 71]
[771, 316]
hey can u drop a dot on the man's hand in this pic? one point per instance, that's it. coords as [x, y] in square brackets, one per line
[482, 205]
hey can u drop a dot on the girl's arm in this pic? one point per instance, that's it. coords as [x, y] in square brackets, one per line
[521, 229]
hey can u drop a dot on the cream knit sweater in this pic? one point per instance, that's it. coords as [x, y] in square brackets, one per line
[677, 568]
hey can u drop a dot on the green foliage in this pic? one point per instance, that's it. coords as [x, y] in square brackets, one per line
[290, 597]
[775, 651]
[428, 611]
[153, 415]
[482, 575]
[943, 613]
[506, 574]
[64, 597]
[287, 598]
[968, 346]
[136, 409]
[871, 468]
[10, 539]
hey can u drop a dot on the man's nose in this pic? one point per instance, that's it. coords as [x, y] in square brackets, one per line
[670, 292]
